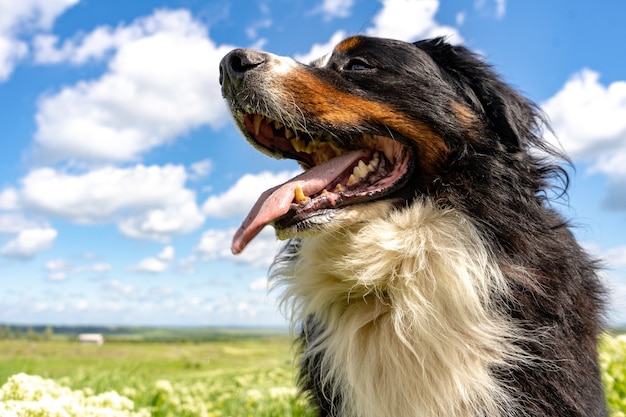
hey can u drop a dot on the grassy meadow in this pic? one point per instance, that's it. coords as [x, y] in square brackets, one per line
[178, 372]
[166, 373]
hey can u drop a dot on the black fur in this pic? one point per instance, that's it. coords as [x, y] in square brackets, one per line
[492, 176]
[497, 170]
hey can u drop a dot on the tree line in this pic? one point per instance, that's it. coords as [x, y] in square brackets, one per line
[8, 332]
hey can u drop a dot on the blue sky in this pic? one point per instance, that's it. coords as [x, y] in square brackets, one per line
[122, 177]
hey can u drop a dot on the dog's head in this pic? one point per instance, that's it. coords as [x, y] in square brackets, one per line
[375, 121]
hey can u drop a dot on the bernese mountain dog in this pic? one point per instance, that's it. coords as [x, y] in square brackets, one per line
[426, 271]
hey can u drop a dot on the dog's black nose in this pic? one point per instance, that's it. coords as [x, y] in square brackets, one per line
[239, 61]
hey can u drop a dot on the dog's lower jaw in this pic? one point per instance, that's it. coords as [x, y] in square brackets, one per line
[305, 228]
[406, 322]
[330, 222]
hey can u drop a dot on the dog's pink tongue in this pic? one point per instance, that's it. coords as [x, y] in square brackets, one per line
[276, 201]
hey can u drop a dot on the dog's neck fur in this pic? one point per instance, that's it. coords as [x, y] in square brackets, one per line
[409, 317]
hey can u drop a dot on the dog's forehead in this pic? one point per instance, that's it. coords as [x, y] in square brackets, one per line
[364, 46]
[342, 47]
[348, 44]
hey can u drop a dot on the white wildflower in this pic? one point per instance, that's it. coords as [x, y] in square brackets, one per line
[283, 392]
[254, 395]
[33, 396]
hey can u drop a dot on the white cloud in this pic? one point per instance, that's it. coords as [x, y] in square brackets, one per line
[161, 223]
[123, 303]
[101, 267]
[11, 51]
[335, 8]
[56, 265]
[9, 199]
[167, 254]
[119, 290]
[156, 264]
[613, 276]
[201, 169]
[588, 117]
[152, 265]
[240, 198]
[497, 8]
[186, 265]
[618, 310]
[460, 18]
[145, 201]
[95, 195]
[253, 30]
[215, 244]
[84, 47]
[500, 8]
[105, 39]
[588, 120]
[13, 223]
[57, 276]
[236, 202]
[160, 84]
[60, 269]
[617, 256]
[259, 284]
[318, 50]
[24, 16]
[615, 281]
[31, 14]
[410, 20]
[29, 242]
[263, 21]
[406, 20]
[261, 308]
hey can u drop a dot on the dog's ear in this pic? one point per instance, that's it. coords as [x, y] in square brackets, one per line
[515, 120]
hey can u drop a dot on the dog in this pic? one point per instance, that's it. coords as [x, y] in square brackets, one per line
[426, 269]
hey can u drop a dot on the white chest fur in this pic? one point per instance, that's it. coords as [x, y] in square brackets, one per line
[408, 304]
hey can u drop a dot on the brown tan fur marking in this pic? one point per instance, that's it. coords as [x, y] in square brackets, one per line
[347, 44]
[332, 106]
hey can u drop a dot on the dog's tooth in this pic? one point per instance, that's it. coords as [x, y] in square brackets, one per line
[390, 148]
[299, 194]
[256, 123]
[298, 144]
[310, 147]
[325, 191]
[362, 169]
[288, 133]
[278, 125]
[352, 180]
[371, 167]
[301, 144]
[338, 188]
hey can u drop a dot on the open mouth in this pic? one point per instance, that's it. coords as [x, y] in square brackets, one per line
[338, 172]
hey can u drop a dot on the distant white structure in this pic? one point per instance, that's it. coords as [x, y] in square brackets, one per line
[91, 338]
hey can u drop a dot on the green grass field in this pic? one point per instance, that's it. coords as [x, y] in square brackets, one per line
[230, 374]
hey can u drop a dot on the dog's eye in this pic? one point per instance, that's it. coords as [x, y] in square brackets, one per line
[357, 65]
